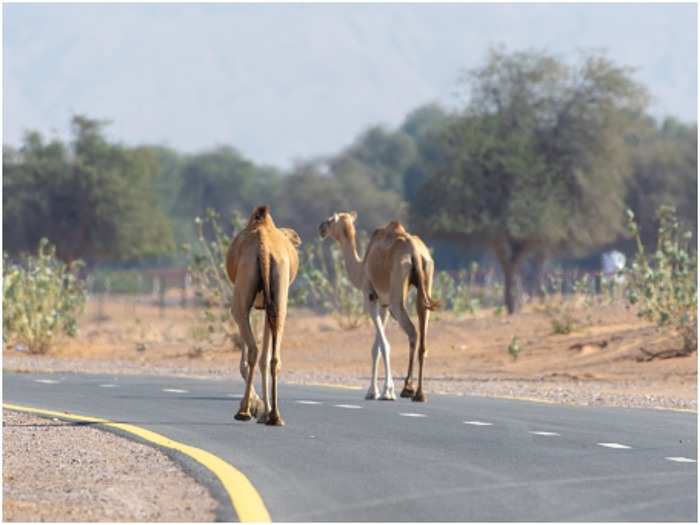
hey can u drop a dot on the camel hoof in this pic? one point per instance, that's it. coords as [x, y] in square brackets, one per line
[258, 407]
[371, 395]
[243, 416]
[275, 421]
[264, 418]
[388, 395]
[408, 392]
[419, 397]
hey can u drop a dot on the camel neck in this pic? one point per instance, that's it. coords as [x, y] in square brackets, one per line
[353, 263]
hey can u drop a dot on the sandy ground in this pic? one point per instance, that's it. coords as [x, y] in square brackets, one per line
[602, 362]
[58, 471]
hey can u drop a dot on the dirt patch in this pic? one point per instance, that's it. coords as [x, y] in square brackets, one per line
[601, 363]
[58, 471]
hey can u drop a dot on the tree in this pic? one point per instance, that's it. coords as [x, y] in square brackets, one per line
[665, 173]
[385, 156]
[314, 190]
[92, 199]
[426, 126]
[537, 160]
[224, 180]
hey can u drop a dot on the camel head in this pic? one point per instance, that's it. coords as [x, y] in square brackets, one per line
[339, 226]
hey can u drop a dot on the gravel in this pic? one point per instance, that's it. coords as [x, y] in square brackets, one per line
[58, 471]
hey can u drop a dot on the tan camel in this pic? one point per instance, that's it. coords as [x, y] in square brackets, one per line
[262, 262]
[393, 261]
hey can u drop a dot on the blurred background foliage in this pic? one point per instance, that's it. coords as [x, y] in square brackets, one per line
[535, 169]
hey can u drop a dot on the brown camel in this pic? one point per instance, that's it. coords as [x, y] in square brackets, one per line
[393, 261]
[262, 262]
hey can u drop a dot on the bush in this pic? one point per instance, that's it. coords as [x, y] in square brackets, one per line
[212, 288]
[42, 297]
[664, 285]
[458, 294]
[326, 287]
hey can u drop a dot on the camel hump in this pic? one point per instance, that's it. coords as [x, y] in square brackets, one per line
[396, 227]
[260, 215]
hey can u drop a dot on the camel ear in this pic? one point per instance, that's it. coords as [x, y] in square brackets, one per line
[335, 217]
[353, 214]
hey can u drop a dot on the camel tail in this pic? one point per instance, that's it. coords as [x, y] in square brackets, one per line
[266, 266]
[428, 302]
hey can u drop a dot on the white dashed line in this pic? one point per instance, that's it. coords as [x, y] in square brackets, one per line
[175, 390]
[544, 433]
[614, 445]
[682, 460]
[235, 396]
[478, 423]
[347, 406]
[47, 381]
[411, 414]
[108, 386]
[305, 402]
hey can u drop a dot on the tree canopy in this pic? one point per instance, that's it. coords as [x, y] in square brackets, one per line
[91, 198]
[538, 158]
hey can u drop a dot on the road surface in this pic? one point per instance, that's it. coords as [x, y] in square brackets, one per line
[341, 458]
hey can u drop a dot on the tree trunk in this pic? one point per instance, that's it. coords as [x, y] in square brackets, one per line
[511, 290]
[539, 284]
[510, 254]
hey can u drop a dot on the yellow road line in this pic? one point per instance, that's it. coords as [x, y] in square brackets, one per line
[245, 499]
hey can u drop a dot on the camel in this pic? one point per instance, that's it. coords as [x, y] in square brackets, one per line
[262, 262]
[393, 261]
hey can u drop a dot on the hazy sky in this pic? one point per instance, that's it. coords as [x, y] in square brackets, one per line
[282, 82]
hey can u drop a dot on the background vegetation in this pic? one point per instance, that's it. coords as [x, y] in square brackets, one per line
[532, 176]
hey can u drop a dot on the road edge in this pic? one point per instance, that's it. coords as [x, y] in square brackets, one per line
[245, 501]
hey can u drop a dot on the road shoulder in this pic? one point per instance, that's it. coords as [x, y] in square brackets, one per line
[60, 471]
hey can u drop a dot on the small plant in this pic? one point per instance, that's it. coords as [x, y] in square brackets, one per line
[327, 287]
[456, 293]
[211, 285]
[664, 285]
[514, 348]
[563, 323]
[42, 297]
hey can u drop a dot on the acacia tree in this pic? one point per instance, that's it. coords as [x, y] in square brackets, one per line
[536, 161]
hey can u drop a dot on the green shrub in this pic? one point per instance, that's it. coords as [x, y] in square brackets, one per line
[212, 288]
[459, 294]
[664, 285]
[42, 297]
[514, 348]
[326, 288]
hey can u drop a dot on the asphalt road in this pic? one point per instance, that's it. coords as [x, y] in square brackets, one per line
[341, 458]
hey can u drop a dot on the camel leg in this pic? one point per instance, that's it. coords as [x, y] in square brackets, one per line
[281, 289]
[398, 309]
[408, 390]
[241, 314]
[423, 316]
[372, 390]
[256, 402]
[379, 316]
[264, 372]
